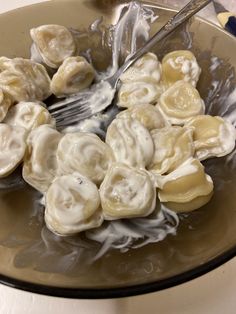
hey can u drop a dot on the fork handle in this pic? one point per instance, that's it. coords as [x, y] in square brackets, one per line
[183, 15]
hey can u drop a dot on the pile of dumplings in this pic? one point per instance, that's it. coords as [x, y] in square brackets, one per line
[152, 151]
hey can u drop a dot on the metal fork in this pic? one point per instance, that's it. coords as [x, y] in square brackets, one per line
[78, 106]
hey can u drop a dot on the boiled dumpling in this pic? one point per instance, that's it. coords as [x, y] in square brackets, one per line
[130, 141]
[85, 153]
[24, 80]
[187, 188]
[213, 136]
[12, 148]
[180, 65]
[5, 104]
[145, 69]
[127, 192]
[149, 115]
[54, 43]
[40, 164]
[180, 102]
[173, 145]
[72, 205]
[137, 93]
[74, 75]
[29, 115]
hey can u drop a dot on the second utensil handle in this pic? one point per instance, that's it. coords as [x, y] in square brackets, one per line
[230, 26]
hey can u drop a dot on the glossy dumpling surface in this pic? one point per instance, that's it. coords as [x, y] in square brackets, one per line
[130, 141]
[137, 93]
[5, 104]
[180, 102]
[40, 164]
[74, 75]
[12, 148]
[24, 80]
[54, 43]
[145, 69]
[180, 65]
[173, 145]
[149, 115]
[127, 192]
[85, 153]
[187, 188]
[72, 205]
[29, 115]
[213, 136]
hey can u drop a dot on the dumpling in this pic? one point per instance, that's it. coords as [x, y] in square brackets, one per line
[72, 205]
[180, 102]
[29, 115]
[12, 148]
[40, 164]
[145, 69]
[138, 93]
[131, 142]
[74, 75]
[149, 115]
[24, 80]
[127, 192]
[5, 104]
[213, 136]
[54, 43]
[173, 145]
[85, 153]
[187, 188]
[180, 65]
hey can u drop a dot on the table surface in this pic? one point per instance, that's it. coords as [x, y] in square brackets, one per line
[211, 293]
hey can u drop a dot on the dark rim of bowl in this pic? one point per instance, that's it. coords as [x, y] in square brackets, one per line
[133, 290]
[121, 292]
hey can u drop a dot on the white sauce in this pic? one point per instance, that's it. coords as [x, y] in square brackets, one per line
[231, 103]
[189, 68]
[12, 147]
[40, 167]
[123, 234]
[35, 56]
[215, 63]
[186, 168]
[135, 233]
[86, 153]
[87, 125]
[71, 201]
[123, 189]
[28, 115]
[131, 142]
[54, 43]
[224, 143]
[137, 93]
[102, 95]
[147, 68]
[135, 20]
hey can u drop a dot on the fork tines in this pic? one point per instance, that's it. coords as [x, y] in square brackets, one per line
[70, 110]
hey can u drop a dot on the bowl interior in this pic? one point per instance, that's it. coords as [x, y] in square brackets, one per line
[29, 252]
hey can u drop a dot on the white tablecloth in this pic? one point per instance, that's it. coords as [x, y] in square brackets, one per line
[211, 293]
